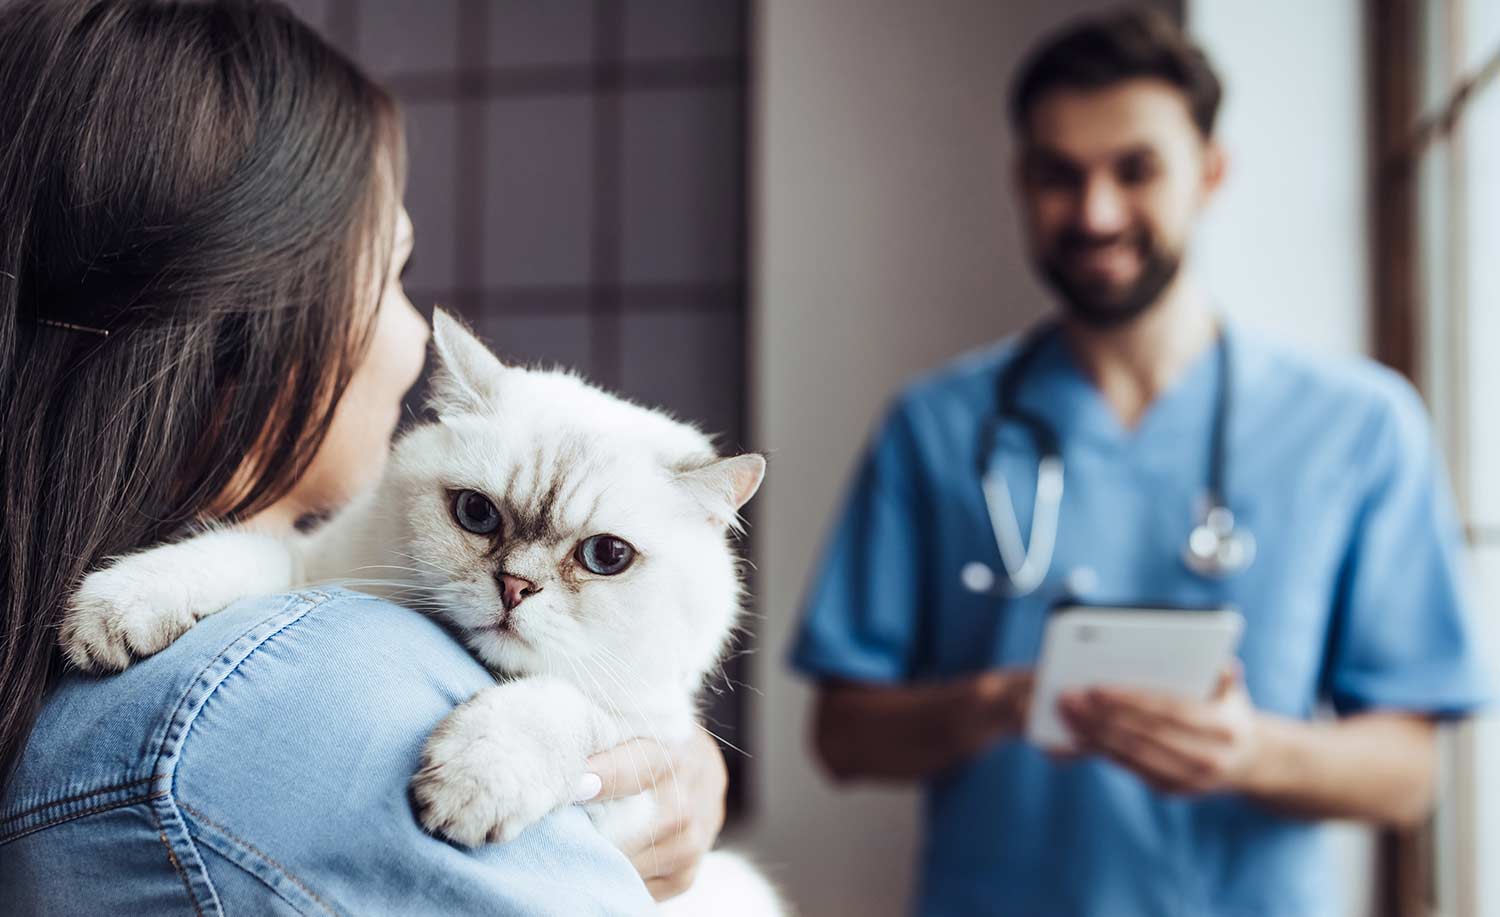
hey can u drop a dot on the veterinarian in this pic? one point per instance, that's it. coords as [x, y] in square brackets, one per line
[1135, 448]
[202, 320]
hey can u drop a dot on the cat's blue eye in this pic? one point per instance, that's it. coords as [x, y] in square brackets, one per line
[475, 512]
[605, 555]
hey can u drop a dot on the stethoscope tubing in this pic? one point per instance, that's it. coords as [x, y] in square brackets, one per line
[1216, 548]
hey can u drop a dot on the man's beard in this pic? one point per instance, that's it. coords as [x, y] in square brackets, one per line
[1096, 305]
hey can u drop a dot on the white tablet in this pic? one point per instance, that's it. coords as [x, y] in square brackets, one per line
[1170, 650]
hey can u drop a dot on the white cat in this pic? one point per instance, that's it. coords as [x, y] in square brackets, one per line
[576, 541]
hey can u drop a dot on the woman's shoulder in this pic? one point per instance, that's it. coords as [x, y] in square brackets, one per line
[315, 656]
[273, 743]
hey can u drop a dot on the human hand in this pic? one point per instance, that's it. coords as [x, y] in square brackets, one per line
[1175, 745]
[1003, 698]
[689, 780]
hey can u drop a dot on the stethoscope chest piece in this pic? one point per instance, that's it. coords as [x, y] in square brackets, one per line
[1216, 548]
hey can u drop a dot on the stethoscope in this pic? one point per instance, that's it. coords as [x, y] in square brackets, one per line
[1215, 548]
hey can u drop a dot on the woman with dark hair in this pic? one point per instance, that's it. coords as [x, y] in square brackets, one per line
[202, 322]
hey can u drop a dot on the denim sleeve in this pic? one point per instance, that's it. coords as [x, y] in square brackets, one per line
[270, 751]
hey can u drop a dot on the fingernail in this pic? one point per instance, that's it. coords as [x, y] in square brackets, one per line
[587, 788]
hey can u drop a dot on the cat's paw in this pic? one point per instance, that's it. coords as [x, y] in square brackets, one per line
[124, 612]
[485, 780]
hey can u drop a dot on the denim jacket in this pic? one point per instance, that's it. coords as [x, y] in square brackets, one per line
[259, 766]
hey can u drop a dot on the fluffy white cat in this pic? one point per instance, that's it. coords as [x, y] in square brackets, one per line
[577, 542]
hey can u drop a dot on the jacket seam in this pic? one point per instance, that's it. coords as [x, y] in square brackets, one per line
[187, 885]
[246, 847]
[309, 601]
[179, 729]
[158, 791]
[74, 798]
[73, 816]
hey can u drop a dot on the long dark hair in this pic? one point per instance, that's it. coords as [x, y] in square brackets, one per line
[190, 196]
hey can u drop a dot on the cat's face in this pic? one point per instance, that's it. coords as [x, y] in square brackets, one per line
[566, 531]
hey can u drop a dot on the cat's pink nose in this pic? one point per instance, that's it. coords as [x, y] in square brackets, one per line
[514, 590]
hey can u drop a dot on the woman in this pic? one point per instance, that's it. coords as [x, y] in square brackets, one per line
[201, 321]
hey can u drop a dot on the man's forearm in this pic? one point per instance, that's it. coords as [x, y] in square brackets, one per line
[1375, 766]
[908, 732]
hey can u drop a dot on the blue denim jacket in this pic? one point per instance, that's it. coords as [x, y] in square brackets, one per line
[260, 766]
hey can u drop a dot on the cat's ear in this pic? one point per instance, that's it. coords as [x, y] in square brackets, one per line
[466, 372]
[724, 485]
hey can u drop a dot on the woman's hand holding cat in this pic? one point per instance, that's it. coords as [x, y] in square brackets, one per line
[689, 779]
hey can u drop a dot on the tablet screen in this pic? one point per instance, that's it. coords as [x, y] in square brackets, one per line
[1169, 650]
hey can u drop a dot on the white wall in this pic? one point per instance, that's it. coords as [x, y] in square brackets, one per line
[886, 240]
[1286, 247]
[1482, 290]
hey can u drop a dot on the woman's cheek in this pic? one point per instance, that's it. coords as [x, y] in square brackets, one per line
[413, 335]
[400, 346]
[352, 456]
[354, 452]
[391, 367]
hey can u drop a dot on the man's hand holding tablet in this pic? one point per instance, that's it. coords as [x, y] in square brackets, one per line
[1157, 691]
[1176, 745]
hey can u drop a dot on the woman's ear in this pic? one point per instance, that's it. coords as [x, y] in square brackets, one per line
[467, 375]
[724, 485]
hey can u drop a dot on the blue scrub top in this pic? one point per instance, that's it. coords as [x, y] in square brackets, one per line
[1356, 600]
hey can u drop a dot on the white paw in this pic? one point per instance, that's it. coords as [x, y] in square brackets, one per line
[123, 612]
[485, 780]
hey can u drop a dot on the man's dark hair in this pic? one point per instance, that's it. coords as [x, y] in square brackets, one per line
[1131, 43]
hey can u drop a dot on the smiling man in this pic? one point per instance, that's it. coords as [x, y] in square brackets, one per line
[1357, 637]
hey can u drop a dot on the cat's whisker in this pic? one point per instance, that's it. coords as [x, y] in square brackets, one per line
[636, 757]
[615, 678]
[633, 756]
[386, 588]
[735, 684]
[415, 598]
[395, 586]
[401, 567]
[424, 564]
[725, 742]
[422, 560]
[732, 683]
[609, 656]
[671, 768]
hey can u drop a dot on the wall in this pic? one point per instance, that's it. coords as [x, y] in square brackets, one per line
[1481, 132]
[1286, 246]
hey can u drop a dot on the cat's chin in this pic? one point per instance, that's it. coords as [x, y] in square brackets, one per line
[504, 650]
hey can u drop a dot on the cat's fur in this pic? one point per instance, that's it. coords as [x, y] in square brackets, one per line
[592, 660]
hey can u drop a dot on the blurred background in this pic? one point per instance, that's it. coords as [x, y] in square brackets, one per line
[768, 215]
